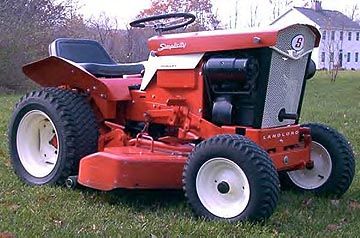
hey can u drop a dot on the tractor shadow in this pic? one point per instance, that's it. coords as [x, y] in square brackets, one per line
[137, 199]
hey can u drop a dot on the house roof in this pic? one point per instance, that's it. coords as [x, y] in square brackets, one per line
[328, 18]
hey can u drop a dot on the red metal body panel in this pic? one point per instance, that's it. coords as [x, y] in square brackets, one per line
[177, 78]
[118, 88]
[131, 167]
[292, 159]
[55, 72]
[137, 167]
[206, 42]
[289, 146]
[148, 164]
[275, 137]
[209, 41]
[165, 89]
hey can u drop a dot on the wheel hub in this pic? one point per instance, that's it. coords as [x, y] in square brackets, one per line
[37, 143]
[223, 187]
[318, 173]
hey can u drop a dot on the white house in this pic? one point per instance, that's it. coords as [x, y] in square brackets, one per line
[340, 40]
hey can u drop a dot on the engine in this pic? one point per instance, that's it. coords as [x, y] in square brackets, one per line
[228, 79]
[238, 87]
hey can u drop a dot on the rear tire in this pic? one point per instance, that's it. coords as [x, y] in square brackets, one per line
[334, 165]
[50, 131]
[230, 178]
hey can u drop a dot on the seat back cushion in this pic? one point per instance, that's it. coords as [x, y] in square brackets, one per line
[80, 51]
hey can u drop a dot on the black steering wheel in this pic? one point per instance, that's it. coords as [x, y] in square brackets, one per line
[165, 22]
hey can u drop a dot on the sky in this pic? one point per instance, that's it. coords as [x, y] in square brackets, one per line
[126, 10]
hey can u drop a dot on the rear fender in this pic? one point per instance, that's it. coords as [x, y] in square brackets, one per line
[55, 72]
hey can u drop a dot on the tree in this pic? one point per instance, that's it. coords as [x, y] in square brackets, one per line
[254, 20]
[279, 7]
[134, 41]
[332, 47]
[104, 27]
[234, 18]
[27, 27]
[353, 12]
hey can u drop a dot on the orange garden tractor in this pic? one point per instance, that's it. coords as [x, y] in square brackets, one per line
[214, 113]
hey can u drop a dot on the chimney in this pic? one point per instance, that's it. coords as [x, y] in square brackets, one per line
[316, 5]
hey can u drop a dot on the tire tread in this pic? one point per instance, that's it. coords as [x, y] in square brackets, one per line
[251, 153]
[80, 126]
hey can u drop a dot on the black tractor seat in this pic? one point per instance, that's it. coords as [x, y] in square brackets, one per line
[112, 70]
[91, 56]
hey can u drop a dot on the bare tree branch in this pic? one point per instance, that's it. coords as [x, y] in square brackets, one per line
[354, 12]
[279, 7]
[254, 20]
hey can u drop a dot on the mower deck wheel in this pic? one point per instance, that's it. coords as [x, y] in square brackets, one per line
[71, 182]
[228, 177]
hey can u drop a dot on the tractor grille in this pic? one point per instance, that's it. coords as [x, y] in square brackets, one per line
[286, 77]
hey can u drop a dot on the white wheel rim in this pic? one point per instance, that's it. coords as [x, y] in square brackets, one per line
[210, 181]
[37, 143]
[319, 174]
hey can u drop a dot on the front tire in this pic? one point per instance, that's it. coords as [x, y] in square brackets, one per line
[334, 164]
[50, 131]
[230, 178]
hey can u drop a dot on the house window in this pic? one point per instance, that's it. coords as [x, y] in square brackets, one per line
[357, 36]
[322, 57]
[324, 35]
[333, 35]
[357, 57]
[332, 57]
[349, 35]
[340, 57]
[348, 57]
[341, 35]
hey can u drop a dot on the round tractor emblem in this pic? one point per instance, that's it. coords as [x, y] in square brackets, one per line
[297, 42]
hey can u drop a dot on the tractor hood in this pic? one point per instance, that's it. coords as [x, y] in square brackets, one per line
[221, 40]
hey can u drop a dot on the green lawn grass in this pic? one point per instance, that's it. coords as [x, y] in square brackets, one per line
[57, 212]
